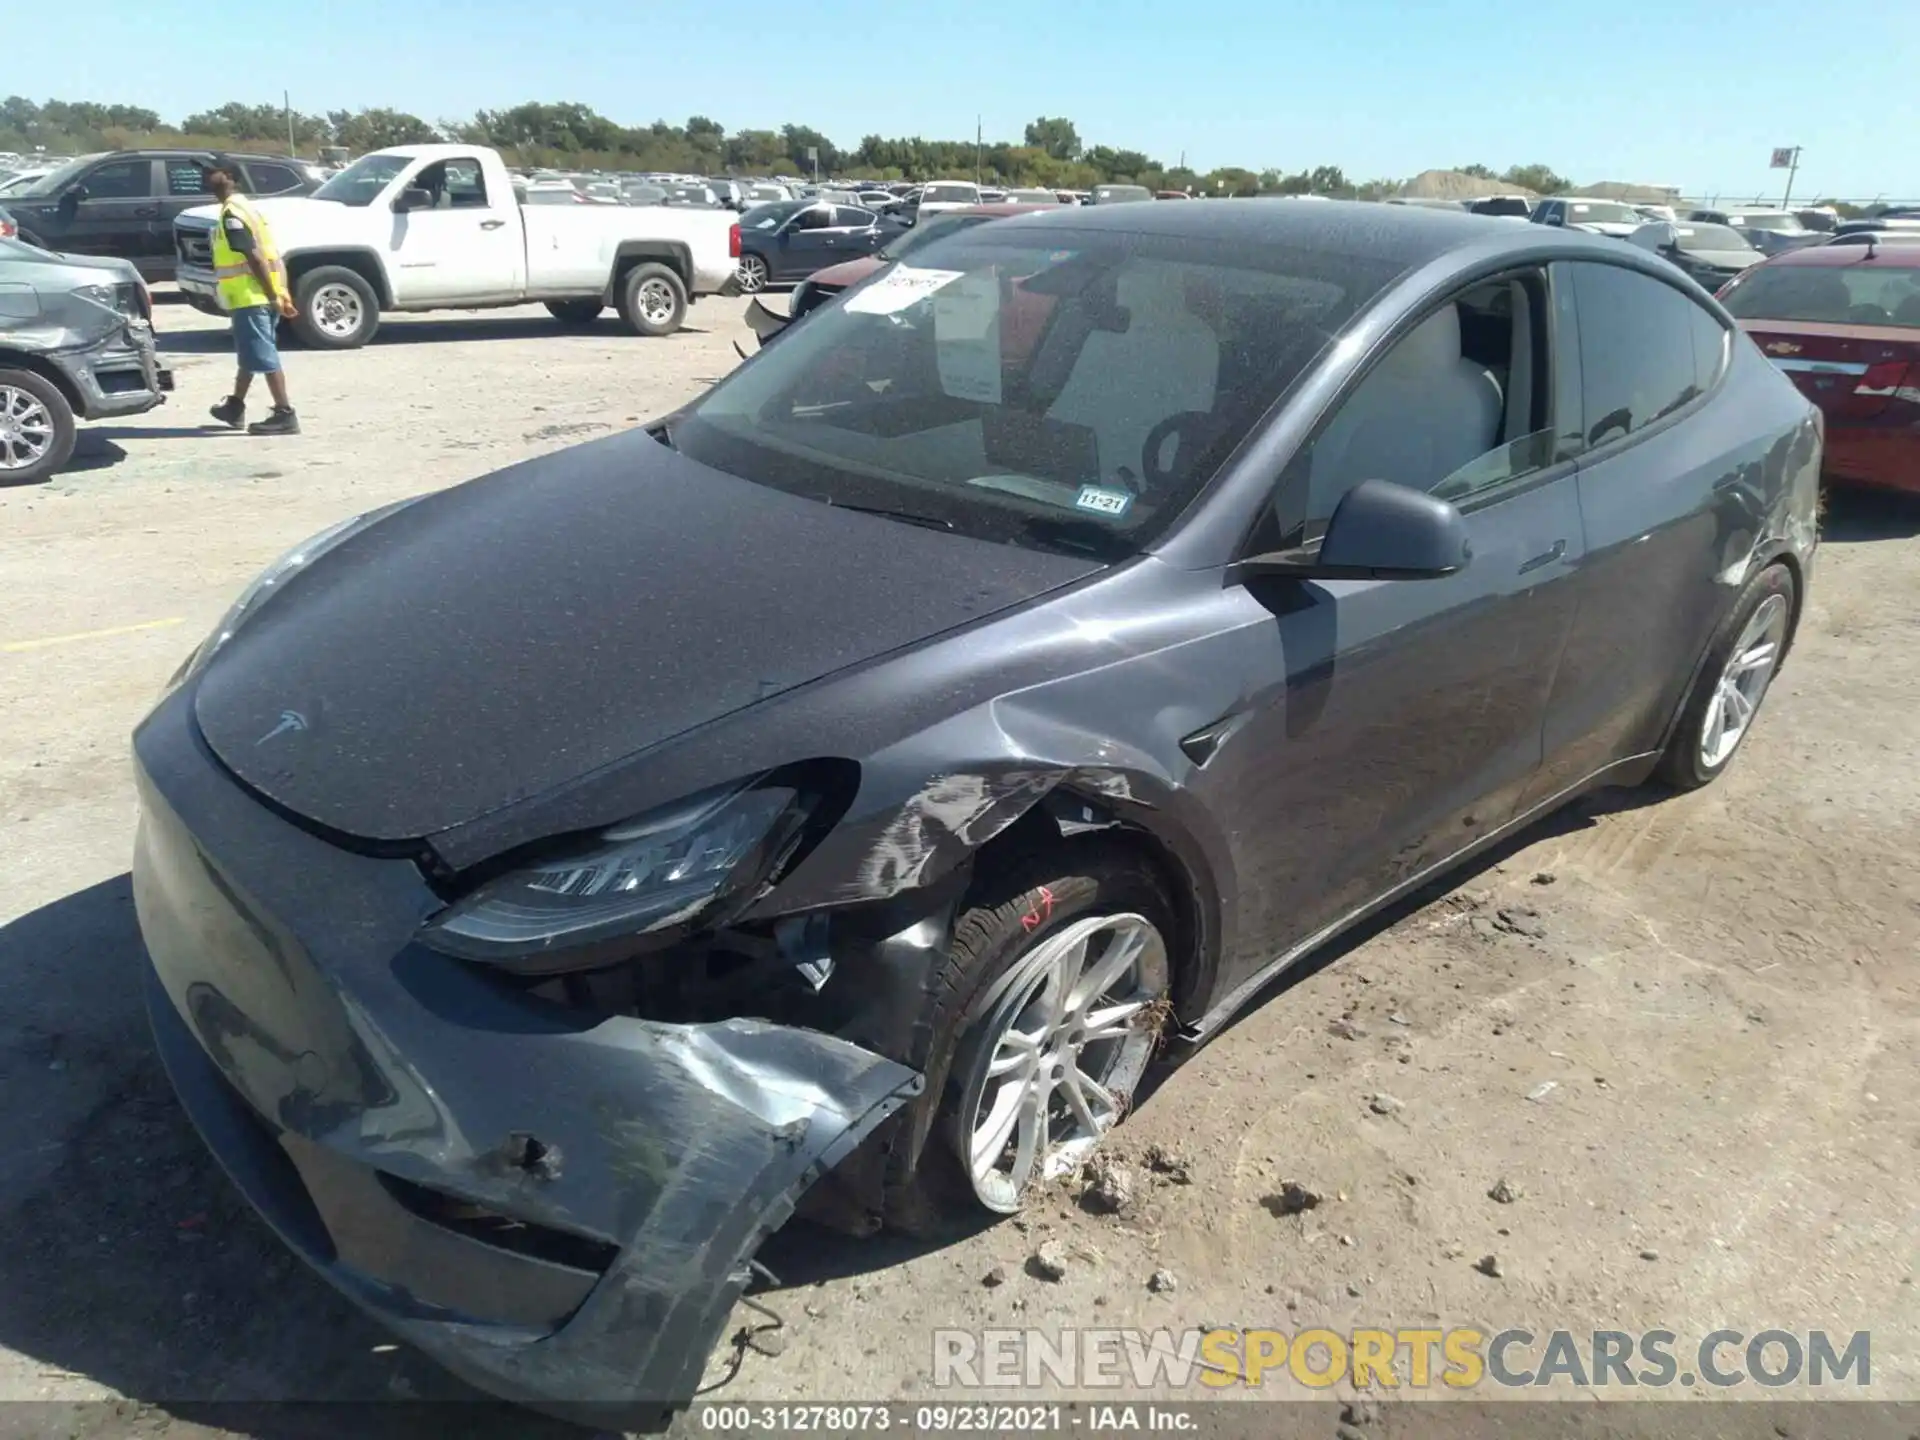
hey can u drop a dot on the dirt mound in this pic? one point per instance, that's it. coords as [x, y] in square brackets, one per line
[1456, 185]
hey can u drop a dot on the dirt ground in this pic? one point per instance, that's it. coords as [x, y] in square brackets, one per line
[1683, 1031]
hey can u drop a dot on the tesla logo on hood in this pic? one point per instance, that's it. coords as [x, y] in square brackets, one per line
[1783, 347]
[290, 720]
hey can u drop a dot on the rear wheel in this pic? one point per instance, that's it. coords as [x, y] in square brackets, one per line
[753, 274]
[653, 300]
[1725, 700]
[335, 308]
[1045, 1015]
[575, 312]
[36, 427]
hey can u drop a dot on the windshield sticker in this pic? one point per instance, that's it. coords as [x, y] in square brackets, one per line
[900, 287]
[1102, 501]
[966, 338]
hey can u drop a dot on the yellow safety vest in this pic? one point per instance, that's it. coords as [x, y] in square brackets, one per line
[238, 287]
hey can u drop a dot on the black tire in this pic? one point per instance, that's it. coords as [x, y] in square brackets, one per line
[1685, 764]
[653, 299]
[754, 273]
[314, 293]
[59, 420]
[1005, 915]
[575, 312]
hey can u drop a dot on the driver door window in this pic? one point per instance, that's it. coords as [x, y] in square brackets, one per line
[120, 180]
[1459, 407]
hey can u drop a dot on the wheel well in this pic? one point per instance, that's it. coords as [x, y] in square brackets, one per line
[1792, 562]
[46, 370]
[1188, 948]
[676, 258]
[365, 266]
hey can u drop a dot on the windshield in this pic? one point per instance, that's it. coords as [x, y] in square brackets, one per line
[1785, 224]
[1032, 197]
[1710, 237]
[1502, 205]
[1051, 388]
[54, 181]
[936, 228]
[1853, 294]
[1601, 212]
[950, 195]
[771, 217]
[1108, 194]
[360, 182]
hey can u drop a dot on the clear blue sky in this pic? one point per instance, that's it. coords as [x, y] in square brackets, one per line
[1693, 93]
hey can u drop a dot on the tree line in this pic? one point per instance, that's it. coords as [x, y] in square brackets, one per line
[1050, 153]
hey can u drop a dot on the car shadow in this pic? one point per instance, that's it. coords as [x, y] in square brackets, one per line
[1855, 514]
[132, 1263]
[93, 450]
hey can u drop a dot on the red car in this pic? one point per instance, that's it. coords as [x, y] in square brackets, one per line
[1844, 322]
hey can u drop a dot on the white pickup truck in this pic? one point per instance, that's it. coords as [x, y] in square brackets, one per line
[439, 227]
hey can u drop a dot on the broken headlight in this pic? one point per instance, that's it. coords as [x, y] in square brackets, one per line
[662, 871]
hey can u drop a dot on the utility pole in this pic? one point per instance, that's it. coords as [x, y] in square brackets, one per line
[286, 105]
[976, 151]
[1786, 201]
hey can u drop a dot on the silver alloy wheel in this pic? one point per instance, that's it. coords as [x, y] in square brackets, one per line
[753, 273]
[1052, 1065]
[655, 300]
[336, 310]
[26, 429]
[1743, 683]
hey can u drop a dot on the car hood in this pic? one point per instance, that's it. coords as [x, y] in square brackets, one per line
[496, 640]
[847, 272]
[34, 263]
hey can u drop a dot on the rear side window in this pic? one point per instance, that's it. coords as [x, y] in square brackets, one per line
[1636, 349]
[186, 177]
[1709, 348]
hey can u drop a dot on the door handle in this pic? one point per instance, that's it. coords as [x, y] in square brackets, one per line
[491, 224]
[1559, 549]
[146, 212]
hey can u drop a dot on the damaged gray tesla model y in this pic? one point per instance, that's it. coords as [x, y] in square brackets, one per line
[828, 798]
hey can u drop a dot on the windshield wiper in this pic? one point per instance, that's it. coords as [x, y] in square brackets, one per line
[1087, 537]
[910, 517]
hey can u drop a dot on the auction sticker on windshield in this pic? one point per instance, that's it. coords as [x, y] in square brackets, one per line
[966, 338]
[1103, 501]
[898, 288]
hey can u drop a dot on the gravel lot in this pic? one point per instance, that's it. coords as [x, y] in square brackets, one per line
[1720, 988]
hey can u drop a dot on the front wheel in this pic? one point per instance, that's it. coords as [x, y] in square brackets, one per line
[1741, 662]
[653, 301]
[753, 274]
[36, 427]
[335, 309]
[1050, 1005]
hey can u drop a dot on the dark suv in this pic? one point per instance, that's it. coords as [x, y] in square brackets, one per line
[123, 203]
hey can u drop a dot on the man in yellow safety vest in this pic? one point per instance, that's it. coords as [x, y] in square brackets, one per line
[254, 292]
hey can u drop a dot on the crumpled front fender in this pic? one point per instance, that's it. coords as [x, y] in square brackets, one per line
[558, 1206]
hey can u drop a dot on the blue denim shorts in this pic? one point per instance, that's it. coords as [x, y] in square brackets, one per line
[253, 339]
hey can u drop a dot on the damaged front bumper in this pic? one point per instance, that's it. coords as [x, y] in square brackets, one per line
[558, 1207]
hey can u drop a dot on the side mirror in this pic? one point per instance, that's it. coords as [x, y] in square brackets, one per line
[414, 199]
[73, 195]
[1379, 531]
